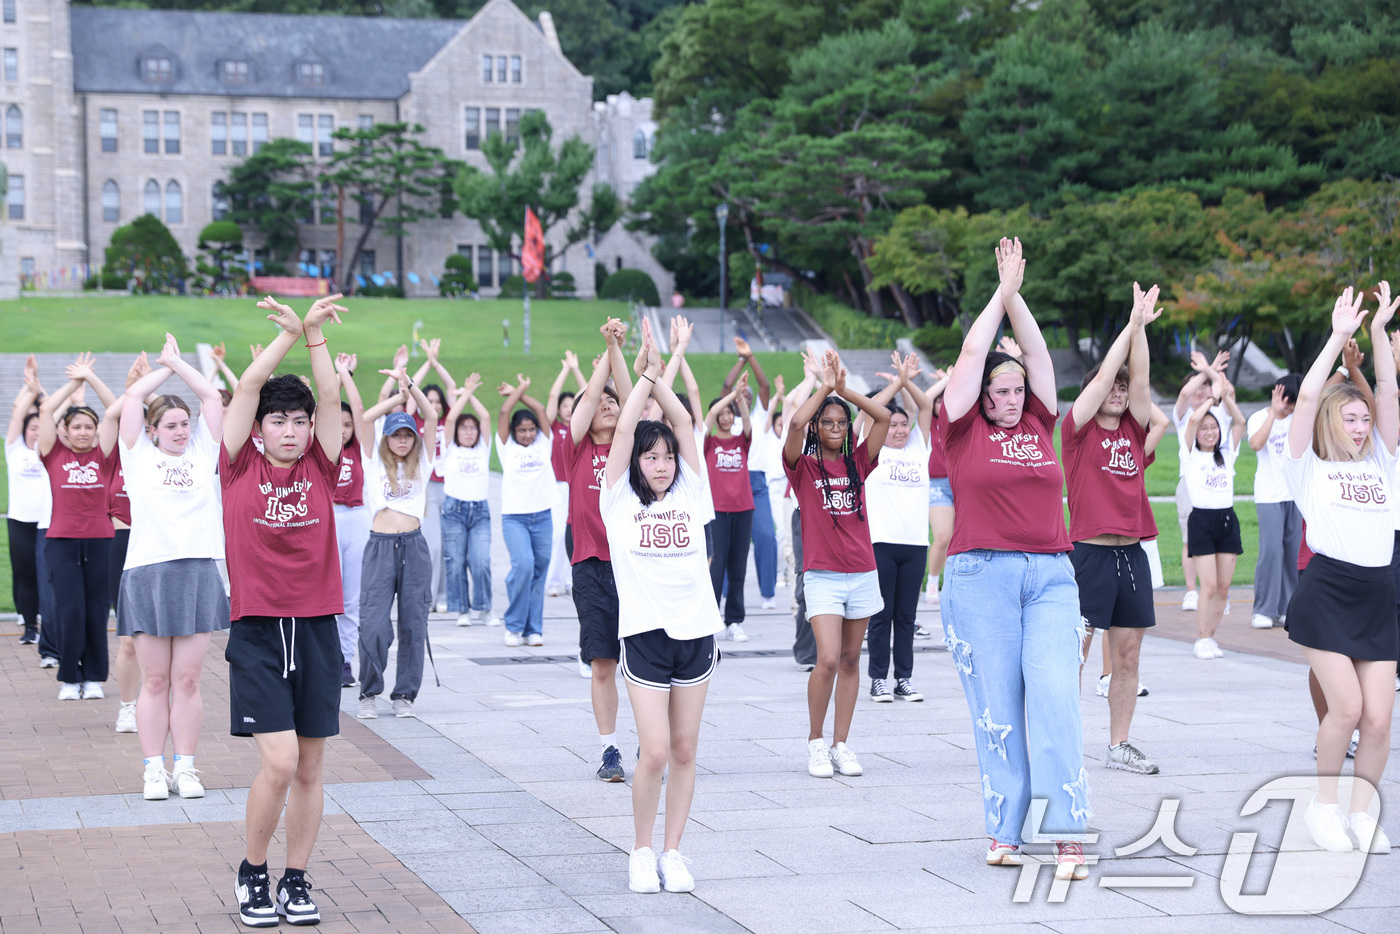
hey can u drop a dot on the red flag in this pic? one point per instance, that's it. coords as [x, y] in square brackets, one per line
[532, 254]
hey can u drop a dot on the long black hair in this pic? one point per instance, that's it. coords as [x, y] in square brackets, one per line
[813, 445]
[643, 440]
[1219, 440]
[520, 416]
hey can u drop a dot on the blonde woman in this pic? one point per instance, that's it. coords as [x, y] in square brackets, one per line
[1339, 467]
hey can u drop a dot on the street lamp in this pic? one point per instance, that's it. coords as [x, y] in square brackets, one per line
[722, 215]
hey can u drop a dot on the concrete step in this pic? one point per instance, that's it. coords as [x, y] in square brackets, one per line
[111, 368]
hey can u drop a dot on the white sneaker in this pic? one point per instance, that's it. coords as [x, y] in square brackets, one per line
[157, 784]
[464, 619]
[585, 670]
[1215, 649]
[48, 661]
[440, 608]
[493, 620]
[1327, 826]
[1369, 836]
[1188, 602]
[641, 872]
[551, 591]
[768, 604]
[674, 876]
[513, 638]
[92, 690]
[187, 784]
[367, 710]
[126, 718]
[736, 632]
[1202, 649]
[931, 598]
[845, 760]
[70, 691]
[1102, 689]
[1226, 611]
[534, 638]
[403, 708]
[1260, 621]
[818, 759]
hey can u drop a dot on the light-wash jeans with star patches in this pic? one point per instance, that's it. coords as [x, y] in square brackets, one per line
[1012, 626]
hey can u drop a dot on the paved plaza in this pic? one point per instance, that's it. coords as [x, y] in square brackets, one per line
[484, 814]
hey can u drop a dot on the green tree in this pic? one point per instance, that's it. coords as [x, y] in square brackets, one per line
[145, 253]
[270, 192]
[220, 244]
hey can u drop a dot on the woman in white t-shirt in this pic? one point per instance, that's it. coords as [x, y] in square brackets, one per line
[172, 596]
[397, 561]
[667, 614]
[1340, 467]
[466, 512]
[30, 501]
[527, 490]
[1213, 529]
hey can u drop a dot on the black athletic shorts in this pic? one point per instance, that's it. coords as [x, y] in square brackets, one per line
[654, 660]
[284, 674]
[1213, 532]
[1115, 585]
[595, 599]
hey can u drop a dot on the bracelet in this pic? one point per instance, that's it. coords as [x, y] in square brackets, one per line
[644, 376]
[1343, 370]
[322, 344]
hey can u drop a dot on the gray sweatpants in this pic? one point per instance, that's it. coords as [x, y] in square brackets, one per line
[394, 564]
[1276, 574]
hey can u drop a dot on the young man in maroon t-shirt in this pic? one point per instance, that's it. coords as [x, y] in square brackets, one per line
[283, 562]
[1103, 440]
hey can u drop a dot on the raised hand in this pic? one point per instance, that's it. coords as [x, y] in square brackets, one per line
[504, 389]
[1347, 313]
[1198, 362]
[323, 310]
[939, 373]
[681, 332]
[400, 357]
[831, 365]
[1386, 311]
[910, 367]
[81, 367]
[139, 368]
[219, 351]
[283, 315]
[1352, 357]
[889, 377]
[343, 366]
[1278, 404]
[1218, 364]
[1011, 267]
[169, 353]
[471, 384]
[431, 348]
[570, 360]
[256, 350]
[741, 386]
[1008, 345]
[610, 332]
[649, 348]
[743, 348]
[522, 382]
[1145, 309]
[779, 385]
[1228, 390]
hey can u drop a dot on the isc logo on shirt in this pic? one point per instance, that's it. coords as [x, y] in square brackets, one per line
[728, 460]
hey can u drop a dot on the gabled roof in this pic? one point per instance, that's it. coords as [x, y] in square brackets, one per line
[363, 58]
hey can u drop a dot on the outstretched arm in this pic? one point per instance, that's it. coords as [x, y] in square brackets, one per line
[879, 415]
[243, 408]
[512, 395]
[1236, 417]
[586, 404]
[53, 403]
[24, 400]
[1157, 426]
[1035, 355]
[965, 384]
[1139, 360]
[345, 368]
[1347, 315]
[211, 404]
[221, 362]
[327, 381]
[1387, 403]
[765, 391]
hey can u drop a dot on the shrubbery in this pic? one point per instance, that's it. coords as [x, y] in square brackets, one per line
[457, 280]
[631, 284]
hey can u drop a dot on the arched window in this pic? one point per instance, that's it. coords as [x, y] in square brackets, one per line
[220, 203]
[174, 204]
[639, 145]
[151, 197]
[111, 202]
[14, 128]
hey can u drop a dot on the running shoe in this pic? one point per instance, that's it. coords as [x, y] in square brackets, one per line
[1215, 649]
[1102, 688]
[1202, 649]
[1369, 836]
[1188, 602]
[844, 760]
[156, 783]
[736, 632]
[294, 899]
[1260, 621]
[347, 677]
[805, 666]
[611, 769]
[534, 638]
[905, 691]
[641, 872]
[1226, 611]
[464, 619]
[513, 638]
[1351, 746]
[1328, 827]
[187, 783]
[126, 718]
[67, 691]
[92, 690]
[367, 711]
[921, 632]
[1069, 861]
[818, 759]
[30, 637]
[931, 598]
[880, 691]
[1003, 854]
[674, 876]
[440, 608]
[254, 895]
[1127, 757]
[48, 661]
[492, 620]
[585, 670]
[768, 604]
[403, 708]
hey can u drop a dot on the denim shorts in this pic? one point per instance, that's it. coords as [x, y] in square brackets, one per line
[940, 492]
[850, 596]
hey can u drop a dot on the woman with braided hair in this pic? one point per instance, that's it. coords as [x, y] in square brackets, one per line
[827, 470]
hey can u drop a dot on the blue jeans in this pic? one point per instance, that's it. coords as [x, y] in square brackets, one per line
[528, 537]
[1012, 625]
[765, 536]
[466, 550]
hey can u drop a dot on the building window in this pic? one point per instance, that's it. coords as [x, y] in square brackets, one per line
[366, 204]
[328, 203]
[14, 128]
[9, 11]
[325, 126]
[111, 202]
[151, 198]
[513, 127]
[174, 204]
[502, 268]
[501, 69]
[306, 128]
[238, 125]
[235, 72]
[16, 197]
[107, 123]
[12, 64]
[259, 132]
[472, 121]
[515, 69]
[639, 145]
[311, 73]
[218, 133]
[150, 130]
[493, 121]
[218, 204]
[484, 267]
[366, 263]
[487, 71]
[156, 70]
[365, 121]
[172, 131]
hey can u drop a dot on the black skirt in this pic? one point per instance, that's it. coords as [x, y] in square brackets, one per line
[1347, 609]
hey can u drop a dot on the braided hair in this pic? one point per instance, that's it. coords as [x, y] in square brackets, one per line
[812, 445]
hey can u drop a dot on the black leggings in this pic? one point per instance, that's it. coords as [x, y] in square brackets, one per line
[78, 568]
[731, 534]
[901, 570]
[120, 539]
[24, 569]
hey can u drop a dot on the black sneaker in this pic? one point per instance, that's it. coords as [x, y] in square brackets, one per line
[255, 908]
[611, 769]
[347, 677]
[30, 637]
[294, 899]
[905, 691]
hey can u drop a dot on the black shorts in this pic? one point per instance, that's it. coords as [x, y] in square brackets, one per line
[654, 660]
[284, 675]
[710, 540]
[1344, 608]
[595, 599]
[1213, 532]
[1115, 585]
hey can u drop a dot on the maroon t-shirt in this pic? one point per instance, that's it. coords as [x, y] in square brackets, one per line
[79, 483]
[587, 466]
[118, 503]
[843, 546]
[937, 462]
[1006, 482]
[1107, 495]
[557, 458]
[727, 460]
[279, 534]
[350, 478]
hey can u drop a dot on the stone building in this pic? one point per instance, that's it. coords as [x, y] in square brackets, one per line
[113, 113]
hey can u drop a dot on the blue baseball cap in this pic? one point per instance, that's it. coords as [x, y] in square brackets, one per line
[396, 420]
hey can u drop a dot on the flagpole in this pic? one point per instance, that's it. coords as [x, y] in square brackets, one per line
[527, 319]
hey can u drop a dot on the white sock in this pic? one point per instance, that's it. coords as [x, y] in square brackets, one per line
[183, 763]
[933, 583]
[608, 739]
[158, 761]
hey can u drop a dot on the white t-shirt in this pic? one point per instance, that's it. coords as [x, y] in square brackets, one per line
[896, 493]
[759, 441]
[1347, 506]
[527, 484]
[31, 499]
[658, 559]
[707, 496]
[412, 496]
[1268, 476]
[466, 472]
[1210, 485]
[1221, 416]
[176, 509]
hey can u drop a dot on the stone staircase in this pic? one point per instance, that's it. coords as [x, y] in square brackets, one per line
[111, 368]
